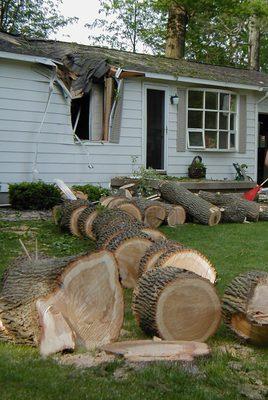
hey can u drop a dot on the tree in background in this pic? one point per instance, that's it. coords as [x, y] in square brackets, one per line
[129, 25]
[35, 18]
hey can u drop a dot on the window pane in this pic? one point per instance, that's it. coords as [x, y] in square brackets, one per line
[211, 140]
[195, 119]
[223, 121]
[196, 139]
[223, 140]
[232, 140]
[232, 122]
[224, 101]
[211, 100]
[211, 120]
[195, 99]
[233, 102]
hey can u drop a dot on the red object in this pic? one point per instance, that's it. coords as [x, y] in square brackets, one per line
[252, 193]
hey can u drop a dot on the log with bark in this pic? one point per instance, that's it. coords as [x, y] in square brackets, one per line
[245, 306]
[242, 207]
[203, 211]
[176, 304]
[66, 210]
[85, 221]
[175, 215]
[263, 216]
[59, 303]
[150, 350]
[153, 212]
[128, 247]
[124, 204]
[154, 234]
[106, 217]
[115, 227]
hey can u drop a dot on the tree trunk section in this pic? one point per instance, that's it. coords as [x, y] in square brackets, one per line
[176, 32]
[263, 216]
[85, 221]
[175, 215]
[245, 306]
[176, 305]
[64, 297]
[201, 210]
[153, 212]
[254, 43]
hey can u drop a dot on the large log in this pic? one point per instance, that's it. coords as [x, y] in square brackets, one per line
[201, 210]
[66, 298]
[108, 216]
[128, 247]
[149, 350]
[176, 304]
[175, 215]
[243, 208]
[67, 209]
[85, 221]
[245, 306]
[153, 212]
[115, 227]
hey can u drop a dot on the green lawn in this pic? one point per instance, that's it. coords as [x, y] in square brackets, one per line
[239, 371]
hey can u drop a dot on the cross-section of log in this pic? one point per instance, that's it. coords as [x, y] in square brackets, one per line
[189, 259]
[128, 247]
[245, 306]
[131, 209]
[153, 212]
[154, 234]
[200, 209]
[176, 304]
[263, 216]
[85, 221]
[67, 209]
[246, 208]
[175, 215]
[79, 295]
[149, 350]
[153, 253]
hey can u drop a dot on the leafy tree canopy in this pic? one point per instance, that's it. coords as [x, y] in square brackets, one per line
[35, 18]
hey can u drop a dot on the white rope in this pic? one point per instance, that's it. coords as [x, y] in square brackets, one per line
[35, 171]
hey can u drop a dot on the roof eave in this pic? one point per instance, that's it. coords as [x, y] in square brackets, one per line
[205, 82]
[27, 58]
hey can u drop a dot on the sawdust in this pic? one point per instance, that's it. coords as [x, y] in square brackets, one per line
[85, 360]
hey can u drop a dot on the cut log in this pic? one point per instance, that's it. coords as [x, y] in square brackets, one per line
[131, 209]
[74, 229]
[117, 200]
[149, 350]
[154, 234]
[246, 208]
[153, 253]
[263, 216]
[200, 209]
[71, 290]
[189, 259]
[104, 201]
[245, 306]
[175, 215]
[85, 221]
[153, 212]
[108, 216]
[66, 211]
[128, 248]
[176, 304]
[115, 228]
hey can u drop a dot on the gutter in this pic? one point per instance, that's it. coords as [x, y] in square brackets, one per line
[26, 58]
[205, 82]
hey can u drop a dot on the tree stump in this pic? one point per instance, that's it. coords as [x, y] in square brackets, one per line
[201, 210]
[176, 304]
[245, 306]
[66, 298]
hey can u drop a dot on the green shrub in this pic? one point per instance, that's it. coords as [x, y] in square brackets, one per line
[33, 195]
[94, 192]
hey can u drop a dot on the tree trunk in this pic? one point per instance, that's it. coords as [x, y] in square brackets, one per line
[242, 207]
[153, 212]
[201, 210]
[66, 212]
[175, 215]
[176, 305]
[254, 43]
[245, 306]
[85, 221]
[107, 217]
[65, 297]
[176, 32]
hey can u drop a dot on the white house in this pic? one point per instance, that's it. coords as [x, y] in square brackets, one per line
[85, 114]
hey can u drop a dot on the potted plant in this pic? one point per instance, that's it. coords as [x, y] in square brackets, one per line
[197, 169]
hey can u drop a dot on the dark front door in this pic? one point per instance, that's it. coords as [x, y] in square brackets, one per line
[155, 128]
[262, 147]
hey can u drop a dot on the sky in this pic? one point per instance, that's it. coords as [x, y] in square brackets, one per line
[86, 11]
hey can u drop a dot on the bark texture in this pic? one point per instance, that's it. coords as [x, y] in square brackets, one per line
[66, 211]
[254, 43]
[203, 211]
[176, 304]
[176, 31]
[263, 216]
[245, 306]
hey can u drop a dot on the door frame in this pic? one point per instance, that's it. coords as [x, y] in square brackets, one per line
[163, 88]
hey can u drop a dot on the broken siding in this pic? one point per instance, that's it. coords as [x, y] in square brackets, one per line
[219, 164]
[23, 96]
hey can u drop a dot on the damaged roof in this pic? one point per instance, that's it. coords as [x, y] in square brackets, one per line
[87, 61]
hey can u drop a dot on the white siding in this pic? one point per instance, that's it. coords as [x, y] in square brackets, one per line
[23, 97]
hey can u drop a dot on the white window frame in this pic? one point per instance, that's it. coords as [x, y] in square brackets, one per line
[217, 129]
